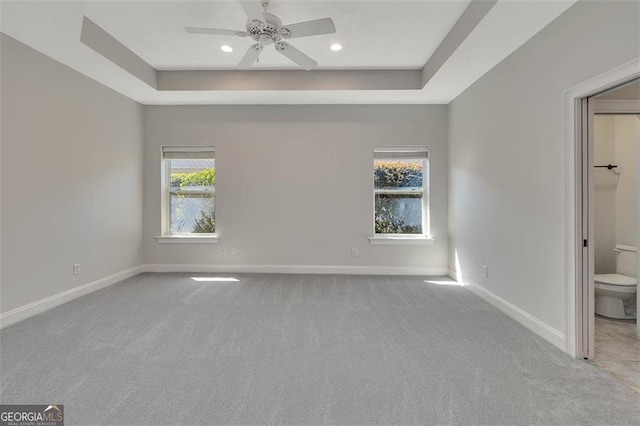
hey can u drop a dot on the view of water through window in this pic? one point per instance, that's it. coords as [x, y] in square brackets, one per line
[192, 196]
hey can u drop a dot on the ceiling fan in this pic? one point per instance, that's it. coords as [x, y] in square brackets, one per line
[266, 29]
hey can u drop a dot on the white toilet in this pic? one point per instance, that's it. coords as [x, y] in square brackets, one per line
[616, 293]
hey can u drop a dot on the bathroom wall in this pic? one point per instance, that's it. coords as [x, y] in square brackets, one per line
[626, 157]
[626, 212]
[616, 201]
[605, 194]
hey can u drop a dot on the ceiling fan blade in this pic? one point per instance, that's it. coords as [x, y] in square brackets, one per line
[215, 31]
[296, 56]
[253, 10]
[251, 56]
[311, 28]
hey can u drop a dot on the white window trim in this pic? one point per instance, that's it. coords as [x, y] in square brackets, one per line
[406, 239]
[185, 239]
[166, 236]
[400, 240]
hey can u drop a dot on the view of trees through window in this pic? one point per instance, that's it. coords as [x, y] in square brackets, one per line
[192, 196]
[398, 189]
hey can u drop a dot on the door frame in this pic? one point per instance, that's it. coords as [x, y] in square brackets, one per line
[579, 339]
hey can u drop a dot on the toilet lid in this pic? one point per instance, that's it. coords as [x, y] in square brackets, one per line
[615, 279]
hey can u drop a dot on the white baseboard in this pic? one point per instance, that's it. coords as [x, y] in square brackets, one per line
[35, 308]
[532, 323]
[298, 269]
[453, 275]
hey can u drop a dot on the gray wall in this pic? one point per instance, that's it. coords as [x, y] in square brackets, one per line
[626, 157]
[605, 183]
[71, 178]
[295, 183]
[506, 156]
[616, 191]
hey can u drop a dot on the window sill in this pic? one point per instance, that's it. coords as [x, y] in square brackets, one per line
[188, 239]
[380, 240]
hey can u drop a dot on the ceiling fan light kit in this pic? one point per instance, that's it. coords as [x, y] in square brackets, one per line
[266, 29]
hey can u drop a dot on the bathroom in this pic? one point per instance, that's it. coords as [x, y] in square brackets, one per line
[616, 177]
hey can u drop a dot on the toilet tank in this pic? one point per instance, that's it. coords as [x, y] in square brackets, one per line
[627, 260]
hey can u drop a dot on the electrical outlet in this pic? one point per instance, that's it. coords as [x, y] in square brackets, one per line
[234, 252]
[223, 251]
[354, 252]
[485, 271]
[76, 269]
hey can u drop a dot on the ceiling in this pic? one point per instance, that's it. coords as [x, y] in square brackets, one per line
[381, 34]
[628, 92]
[376, 35]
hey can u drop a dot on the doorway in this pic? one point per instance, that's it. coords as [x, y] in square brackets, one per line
[607, 231]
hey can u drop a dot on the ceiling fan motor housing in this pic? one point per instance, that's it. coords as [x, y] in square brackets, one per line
[268, 32]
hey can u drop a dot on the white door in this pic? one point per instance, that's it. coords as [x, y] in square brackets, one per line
[588, 216]
[638, 204]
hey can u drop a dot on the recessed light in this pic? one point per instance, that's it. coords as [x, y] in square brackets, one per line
[336, 47]
[226, 49]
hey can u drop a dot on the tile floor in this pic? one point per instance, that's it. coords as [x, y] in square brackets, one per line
[618, 350]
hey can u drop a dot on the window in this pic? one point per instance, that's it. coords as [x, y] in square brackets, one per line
[400, 176]
[189, 191]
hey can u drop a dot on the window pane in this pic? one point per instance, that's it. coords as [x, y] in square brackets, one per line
[195, 174]
[398, 173]
[191, 213]
[398, 214]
